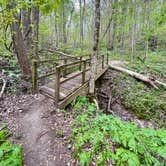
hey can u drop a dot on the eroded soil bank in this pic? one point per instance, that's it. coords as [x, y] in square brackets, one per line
[111, 102]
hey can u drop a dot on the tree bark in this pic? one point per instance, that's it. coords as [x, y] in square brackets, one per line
[27, 30]
[64, 23]
[95, 47]
[133, 31]
[35, 21]
[19, 48]
[110, 45]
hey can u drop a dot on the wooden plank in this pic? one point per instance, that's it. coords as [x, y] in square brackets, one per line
[73, 63]
[83, 72]
[57, 85]
[100, 73]
[72, 96]
[64, 72]
[34, 77]
[74, 75]
[46, 75]
[50, 92]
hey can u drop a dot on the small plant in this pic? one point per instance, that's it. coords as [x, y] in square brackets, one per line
[10, 154]
[65, 112]
[105, 140]
[59, 133]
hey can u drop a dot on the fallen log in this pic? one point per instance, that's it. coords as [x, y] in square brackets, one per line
[146, 79]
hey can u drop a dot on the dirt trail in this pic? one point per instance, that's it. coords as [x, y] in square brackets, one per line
[34, 122]
[37, 146]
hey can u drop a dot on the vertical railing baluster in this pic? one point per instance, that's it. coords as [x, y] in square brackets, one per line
[34, 76]
[107, 58]
[83, 72]
[102, 61]
[64, 72]
[80, 68]
[57, 85]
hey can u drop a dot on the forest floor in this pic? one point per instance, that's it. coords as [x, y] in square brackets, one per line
[44, 132]
[36, 126]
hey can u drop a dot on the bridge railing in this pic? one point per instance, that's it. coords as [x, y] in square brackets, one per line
[84, 66]
[36, 76]
[61, 71]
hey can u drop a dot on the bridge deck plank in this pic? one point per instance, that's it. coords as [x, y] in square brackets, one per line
[68, 88]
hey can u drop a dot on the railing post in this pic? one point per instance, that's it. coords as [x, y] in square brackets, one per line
[64, 72]
[80, 63]
[102, 61]
[57, 85]
[34, 76]
[83, 72]
[107, 58]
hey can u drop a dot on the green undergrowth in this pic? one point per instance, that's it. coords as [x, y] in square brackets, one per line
[10, 154]
[146, 102]
[154, 65]
[101, 139]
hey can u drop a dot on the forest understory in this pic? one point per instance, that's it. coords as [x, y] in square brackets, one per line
[103, 62]
[45, 132]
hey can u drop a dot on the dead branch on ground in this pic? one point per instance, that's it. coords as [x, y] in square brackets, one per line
[151, 81]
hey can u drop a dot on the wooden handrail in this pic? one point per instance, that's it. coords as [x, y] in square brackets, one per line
[73, 63]
[80, 61]
[46, 75]
[73, 76]
[50, 60]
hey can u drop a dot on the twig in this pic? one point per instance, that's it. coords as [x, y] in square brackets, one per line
[96, 103]
[109, 105]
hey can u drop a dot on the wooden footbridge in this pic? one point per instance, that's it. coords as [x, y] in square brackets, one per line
[68, 76]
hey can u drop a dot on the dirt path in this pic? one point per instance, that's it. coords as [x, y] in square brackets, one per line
[37, 138]
[34, 123]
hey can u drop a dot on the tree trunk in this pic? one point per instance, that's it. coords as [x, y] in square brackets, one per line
[64, 24]
[110, 45]
[27, 30]
[133, 32]
[95, 47]
[56, 30]
[35, 21]
[19, 48]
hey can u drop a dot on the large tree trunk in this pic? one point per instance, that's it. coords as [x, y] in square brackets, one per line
[19, 48]
[27, 30]
[95, 47]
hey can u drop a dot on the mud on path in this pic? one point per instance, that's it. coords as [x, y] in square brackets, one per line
[34, 123]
